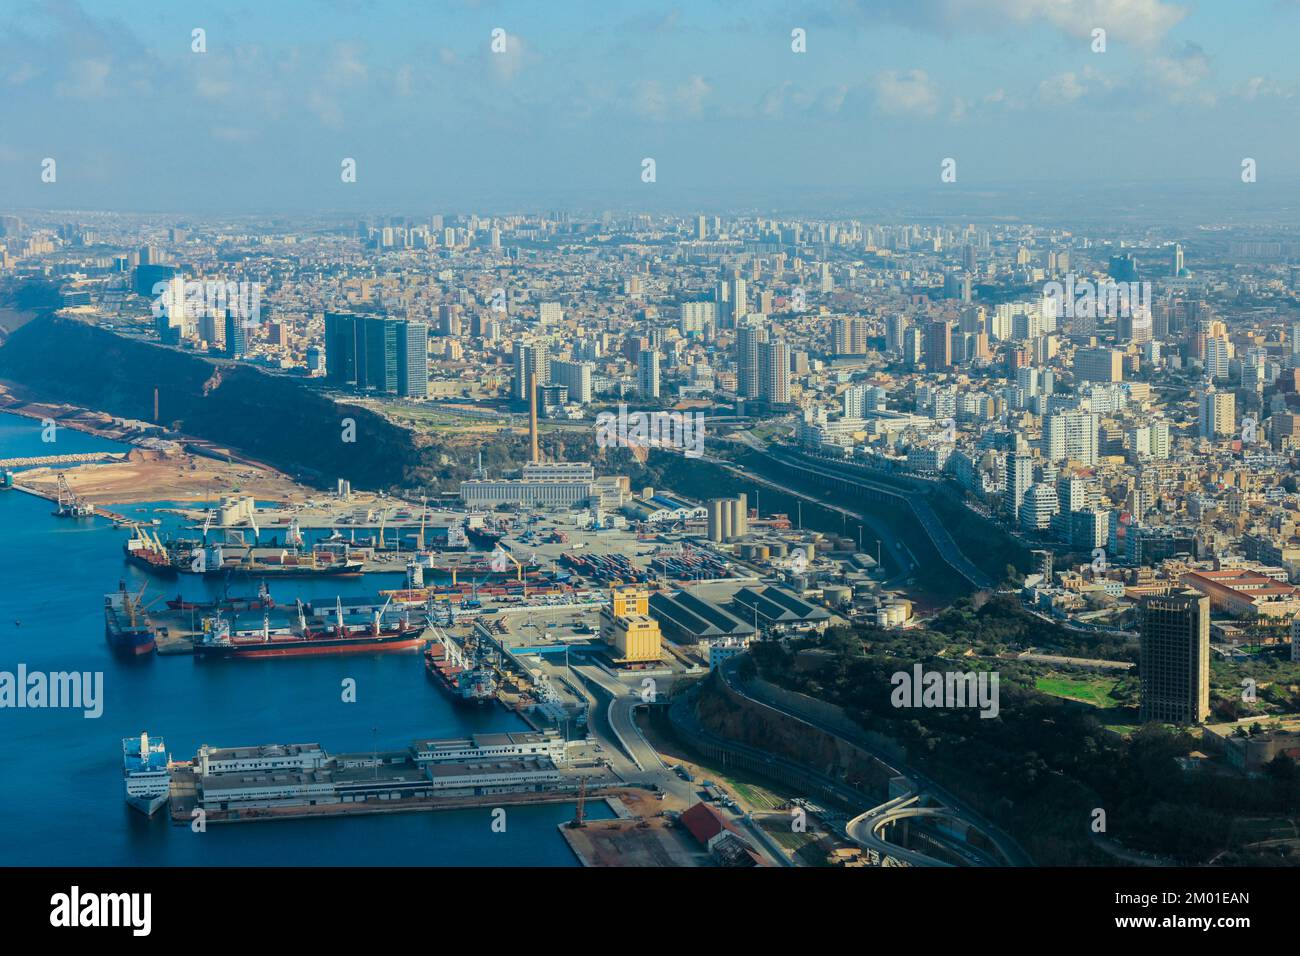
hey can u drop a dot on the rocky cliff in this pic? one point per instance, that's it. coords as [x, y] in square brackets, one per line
[283, 421]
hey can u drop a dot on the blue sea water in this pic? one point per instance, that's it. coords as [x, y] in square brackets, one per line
[61, 797]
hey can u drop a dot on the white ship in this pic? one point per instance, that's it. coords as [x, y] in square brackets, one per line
[144, 769]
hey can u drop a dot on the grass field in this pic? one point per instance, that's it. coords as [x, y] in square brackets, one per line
[1095, 691]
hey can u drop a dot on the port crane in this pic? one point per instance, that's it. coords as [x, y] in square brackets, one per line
[580, 817]
[68, 505]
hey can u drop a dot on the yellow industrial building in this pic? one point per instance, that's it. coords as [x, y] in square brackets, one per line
[626, 625]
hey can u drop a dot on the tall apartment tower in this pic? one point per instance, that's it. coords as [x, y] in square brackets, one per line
[1174, 658]
[413, 360]
[938, 345]
[1218, 410]
[849, 336]
[774, 372]
[530, 358]
[748, 339]
[647, 374]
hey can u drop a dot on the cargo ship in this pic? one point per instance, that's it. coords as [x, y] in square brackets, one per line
[468, 682]
[144, 550]
[233, 638]
[211, 562]
[226, 603]
[127, 628]
[484, 537]
[145, 773]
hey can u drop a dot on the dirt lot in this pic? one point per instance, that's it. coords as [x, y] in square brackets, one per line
[626, 843]
[148, 476]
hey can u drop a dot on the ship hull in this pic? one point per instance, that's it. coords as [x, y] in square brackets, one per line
[129, 643]
[147, 805]
[277, 571]
[310, 648]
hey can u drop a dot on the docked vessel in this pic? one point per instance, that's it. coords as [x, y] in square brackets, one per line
[484, 537]
[127, 628]
[226, 603]
[145, 773]
[144, 550]
[467, 681]
[211, 562]
[234, 637]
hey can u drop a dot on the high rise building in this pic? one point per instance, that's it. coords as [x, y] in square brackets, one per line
[1218, 411]
[236, 336]
[647, 374]
[1020, 475]
[377, 365]
[774, 372]
[530, 358]
[576, 376]
[748, 339]
[849, 336]
[413, 360]
[1174, 658]
[938, 345]
[1071, 434]
[341, 348]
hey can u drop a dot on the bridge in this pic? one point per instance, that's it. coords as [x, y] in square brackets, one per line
[877, 830]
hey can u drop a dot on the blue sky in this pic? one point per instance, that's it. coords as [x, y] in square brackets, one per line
[586, 90]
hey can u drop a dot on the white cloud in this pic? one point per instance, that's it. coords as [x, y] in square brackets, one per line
[1142, 22]
[909, 92]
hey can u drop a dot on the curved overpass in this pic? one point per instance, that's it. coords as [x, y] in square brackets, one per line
[868, 828]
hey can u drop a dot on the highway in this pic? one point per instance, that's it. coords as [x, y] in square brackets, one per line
[848, 472]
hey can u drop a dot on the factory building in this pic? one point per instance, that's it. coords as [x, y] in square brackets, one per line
[627, 627]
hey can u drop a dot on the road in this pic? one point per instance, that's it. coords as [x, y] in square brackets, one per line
[845, 471]
[1005, 843]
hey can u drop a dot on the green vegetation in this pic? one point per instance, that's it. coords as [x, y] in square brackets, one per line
[1042, 766]
[1096, 692]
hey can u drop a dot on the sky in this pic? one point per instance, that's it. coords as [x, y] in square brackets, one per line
[585, 90]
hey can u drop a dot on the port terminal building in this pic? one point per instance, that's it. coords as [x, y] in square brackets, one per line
[302, 775]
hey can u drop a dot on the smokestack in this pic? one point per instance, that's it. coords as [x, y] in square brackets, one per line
[532, 413]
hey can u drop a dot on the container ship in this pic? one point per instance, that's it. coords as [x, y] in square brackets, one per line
[468, 682]
[239, 637]
[127, 628]
[145, 772]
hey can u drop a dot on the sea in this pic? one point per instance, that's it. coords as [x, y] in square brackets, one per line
[61, 789]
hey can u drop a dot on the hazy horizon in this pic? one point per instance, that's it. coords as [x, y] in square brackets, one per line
[583, 92]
